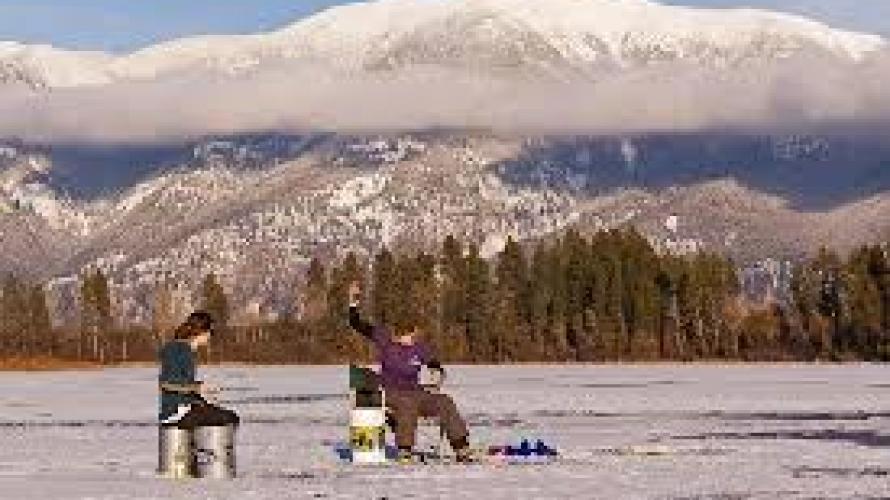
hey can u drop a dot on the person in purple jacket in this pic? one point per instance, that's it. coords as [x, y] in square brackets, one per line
[401, 356]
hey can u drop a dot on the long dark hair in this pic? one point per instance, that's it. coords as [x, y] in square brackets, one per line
[197, 323]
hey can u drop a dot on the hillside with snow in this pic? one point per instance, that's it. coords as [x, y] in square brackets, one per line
[256, 227]
[556, 37]
[146, 165]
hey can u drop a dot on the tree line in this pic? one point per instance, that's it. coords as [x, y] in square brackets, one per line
[579, 298]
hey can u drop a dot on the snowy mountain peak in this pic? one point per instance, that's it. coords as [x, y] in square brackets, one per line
[387, 35]
[611, 22]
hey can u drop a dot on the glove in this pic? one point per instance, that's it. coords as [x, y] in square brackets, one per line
[355, 293]
[439, 374]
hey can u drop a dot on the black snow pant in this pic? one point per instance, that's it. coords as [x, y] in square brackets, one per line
[204, 414]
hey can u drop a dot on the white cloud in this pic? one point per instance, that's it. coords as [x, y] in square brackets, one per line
[807, 90]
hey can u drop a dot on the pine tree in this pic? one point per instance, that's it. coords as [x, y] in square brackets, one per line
[453, 276]
[348, 346]
[14, 315]
[611, 297]
[879, 273]
[315, 302]
[215, 301]
[89, 314]
[672, 270]
[879, 269]
[315, 334]
[39, 321]
[805, 293]
[102, 299]
[557, 335]
[406, 293]
[96, 318]
[425, 299]
[162, 311]
[829, 305]
[337, 300]
[478, 312]
[386, 289]
[642, 295]
[728, 290]
[688, 311]
[540, 302]
[511, 303]
[863, 286]
[577, 281]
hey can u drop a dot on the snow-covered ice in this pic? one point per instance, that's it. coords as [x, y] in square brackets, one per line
[759, 431]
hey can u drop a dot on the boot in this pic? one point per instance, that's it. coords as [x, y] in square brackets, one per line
[462, 452]
[406, 456]
[465, 456]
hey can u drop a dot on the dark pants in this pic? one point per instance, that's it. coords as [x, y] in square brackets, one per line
[407, 406]
[204, 414]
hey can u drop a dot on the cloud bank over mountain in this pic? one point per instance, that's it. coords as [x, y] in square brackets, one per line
[800, 92]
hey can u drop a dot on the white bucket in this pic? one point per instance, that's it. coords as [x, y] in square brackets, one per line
[367, 435]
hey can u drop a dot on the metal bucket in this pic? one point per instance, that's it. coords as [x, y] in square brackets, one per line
[175, 458]
[367, 435]
[215, 452]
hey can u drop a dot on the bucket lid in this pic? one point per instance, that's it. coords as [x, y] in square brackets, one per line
[368, 417]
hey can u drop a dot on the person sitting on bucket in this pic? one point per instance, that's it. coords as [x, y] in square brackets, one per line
[401, 356]
[182, 397]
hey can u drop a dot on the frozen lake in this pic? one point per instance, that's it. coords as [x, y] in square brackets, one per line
[735, 432]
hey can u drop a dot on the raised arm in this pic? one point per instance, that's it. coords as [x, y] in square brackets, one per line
[358, 324]
[355, 319]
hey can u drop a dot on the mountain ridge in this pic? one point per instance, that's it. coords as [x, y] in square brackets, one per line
[253, 207]
[389, 34]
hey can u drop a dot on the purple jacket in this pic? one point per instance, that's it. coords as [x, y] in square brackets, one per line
[399, 364]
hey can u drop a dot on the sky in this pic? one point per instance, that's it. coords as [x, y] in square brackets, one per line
[126, 25]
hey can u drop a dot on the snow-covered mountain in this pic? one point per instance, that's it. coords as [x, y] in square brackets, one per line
[253, 207]
[256, 226]
[544, 37]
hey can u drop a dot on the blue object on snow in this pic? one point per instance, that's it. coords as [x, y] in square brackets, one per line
[544, 450]
[343, 452]
[525, 448]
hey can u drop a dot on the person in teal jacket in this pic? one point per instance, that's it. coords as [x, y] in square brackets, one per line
[182, 397]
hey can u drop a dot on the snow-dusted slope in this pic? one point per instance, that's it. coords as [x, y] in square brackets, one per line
[44, 66]
[491, 34]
